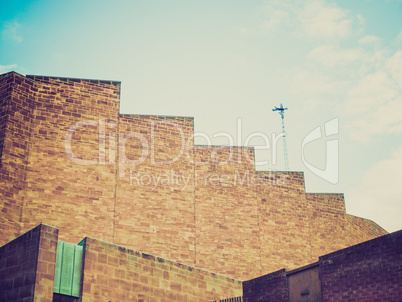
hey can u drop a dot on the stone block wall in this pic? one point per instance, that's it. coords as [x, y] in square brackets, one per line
[226, 212]
[70, 159]
[5, 95]
[361, 229]
[27, 266]
[110, 273]
[272, 287]
[369, 271]
[284, 220]
[116, 273]
[70, 130]
[16, 103]
[155, 186]
[364, 272]
[328, 223]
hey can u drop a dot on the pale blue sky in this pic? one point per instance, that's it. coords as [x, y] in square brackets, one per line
[223, 60]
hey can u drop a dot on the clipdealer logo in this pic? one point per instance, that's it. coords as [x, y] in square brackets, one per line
[112, 147]
[120, 143]
[331, 171]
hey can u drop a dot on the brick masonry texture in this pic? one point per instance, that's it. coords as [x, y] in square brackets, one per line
[272, 287]
[27, 266]
[17, 98]
[116, 273]
[110, 273]
[164, 214]
[139, 181]
[284, 221]
[369, 271]
[226, 212]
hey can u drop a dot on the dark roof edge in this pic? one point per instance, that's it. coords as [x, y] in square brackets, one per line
[32, 76]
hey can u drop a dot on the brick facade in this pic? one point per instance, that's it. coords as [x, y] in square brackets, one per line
[162, 214]
[27, 266]
[369, 271]
[17, 103]
[110, 273]
[226, 212]
[272, 287]
[284, 221]
[210, 209]
[116, 273]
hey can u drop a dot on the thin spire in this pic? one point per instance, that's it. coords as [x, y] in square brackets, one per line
[281, 111]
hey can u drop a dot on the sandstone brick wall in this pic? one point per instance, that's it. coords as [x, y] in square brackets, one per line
[61, 192]
[116, 273]
[5, 95]
[226, 212]
[207, 210]
[155, 186]
[361, 229]
[16, 101]
[27, 266]
[327, 223]
[284, 221]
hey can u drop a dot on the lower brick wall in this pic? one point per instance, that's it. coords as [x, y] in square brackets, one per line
[27, 266]
[116, 273]
[370, 271]
[272, 287]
